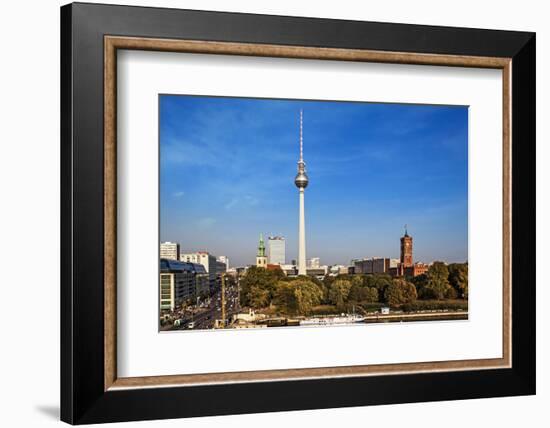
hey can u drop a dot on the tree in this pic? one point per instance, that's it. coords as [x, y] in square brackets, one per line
[360, 292]
[399, 292]
[357, 281]
[420, 282]
[258, 286]
[458, 278]
[368, 295]
[298, 296]
[438, 280]
[451, 293]
[338, 292]
[379, 281]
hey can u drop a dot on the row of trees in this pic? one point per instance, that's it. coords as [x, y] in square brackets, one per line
[261, 288]
[443, 281]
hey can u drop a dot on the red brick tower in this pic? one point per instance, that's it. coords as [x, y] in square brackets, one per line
[406, 250]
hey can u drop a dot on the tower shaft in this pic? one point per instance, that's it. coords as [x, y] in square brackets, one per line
[302, 237]
[301, 181]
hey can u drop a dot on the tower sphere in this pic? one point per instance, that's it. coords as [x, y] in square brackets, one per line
[301, 179]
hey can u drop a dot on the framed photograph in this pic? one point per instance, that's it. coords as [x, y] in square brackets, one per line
[291, 213]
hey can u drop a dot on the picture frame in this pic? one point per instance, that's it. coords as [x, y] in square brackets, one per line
[91, 391]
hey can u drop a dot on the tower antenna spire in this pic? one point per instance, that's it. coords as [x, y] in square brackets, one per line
[301, 136]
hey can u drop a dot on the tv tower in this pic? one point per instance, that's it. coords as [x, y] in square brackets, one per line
[301, 182]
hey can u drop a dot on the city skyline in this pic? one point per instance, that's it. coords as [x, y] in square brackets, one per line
[227, 169]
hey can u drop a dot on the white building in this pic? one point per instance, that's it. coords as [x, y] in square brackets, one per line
[338, 270]
[201, 257]
[319, 272]
[276, 250]
[169, 250]
[314, 263]
[211, 265]
[225, 260]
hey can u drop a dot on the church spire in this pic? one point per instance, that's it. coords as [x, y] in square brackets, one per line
[261, 246]
[261, 259]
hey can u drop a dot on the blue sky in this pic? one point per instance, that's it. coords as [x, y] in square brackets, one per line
[227, 168]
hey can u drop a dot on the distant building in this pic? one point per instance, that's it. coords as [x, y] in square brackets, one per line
[416, 269]
[276, 250]
[319, 272]
[375, 265]
[180, 281]
[406, 257]
[261, 259]
[201, 257]
[221, 267]
[170, 250]
[336, 270]
[224, 260]
[314, 263]
[274, 267]
[209, 262]
[290, 270]
[406, 265]
[231, 272]
[394, 263]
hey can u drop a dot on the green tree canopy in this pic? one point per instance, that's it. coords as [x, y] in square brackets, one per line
[399, 292]
[437, 280]
[420, 282]
[258, 286]
[338, 292]
[298, 296]
[361, 292]
[368, 295]
[379, 281]
[458, 278]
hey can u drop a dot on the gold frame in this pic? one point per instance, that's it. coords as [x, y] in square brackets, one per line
[113, 43]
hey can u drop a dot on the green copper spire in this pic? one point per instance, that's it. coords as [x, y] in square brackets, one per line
[261, 247]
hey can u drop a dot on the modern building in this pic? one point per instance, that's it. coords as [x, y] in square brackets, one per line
[201, 257]
[225, 260]
[208, 261]
[261, 259]
[180, 281]
[301, 181]
[290, 270]
[276, 250]
[377, 265]
[314, 263]
[170, 250]
[336, 270]
[319, 272]
[363, 266]
[221, 267]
